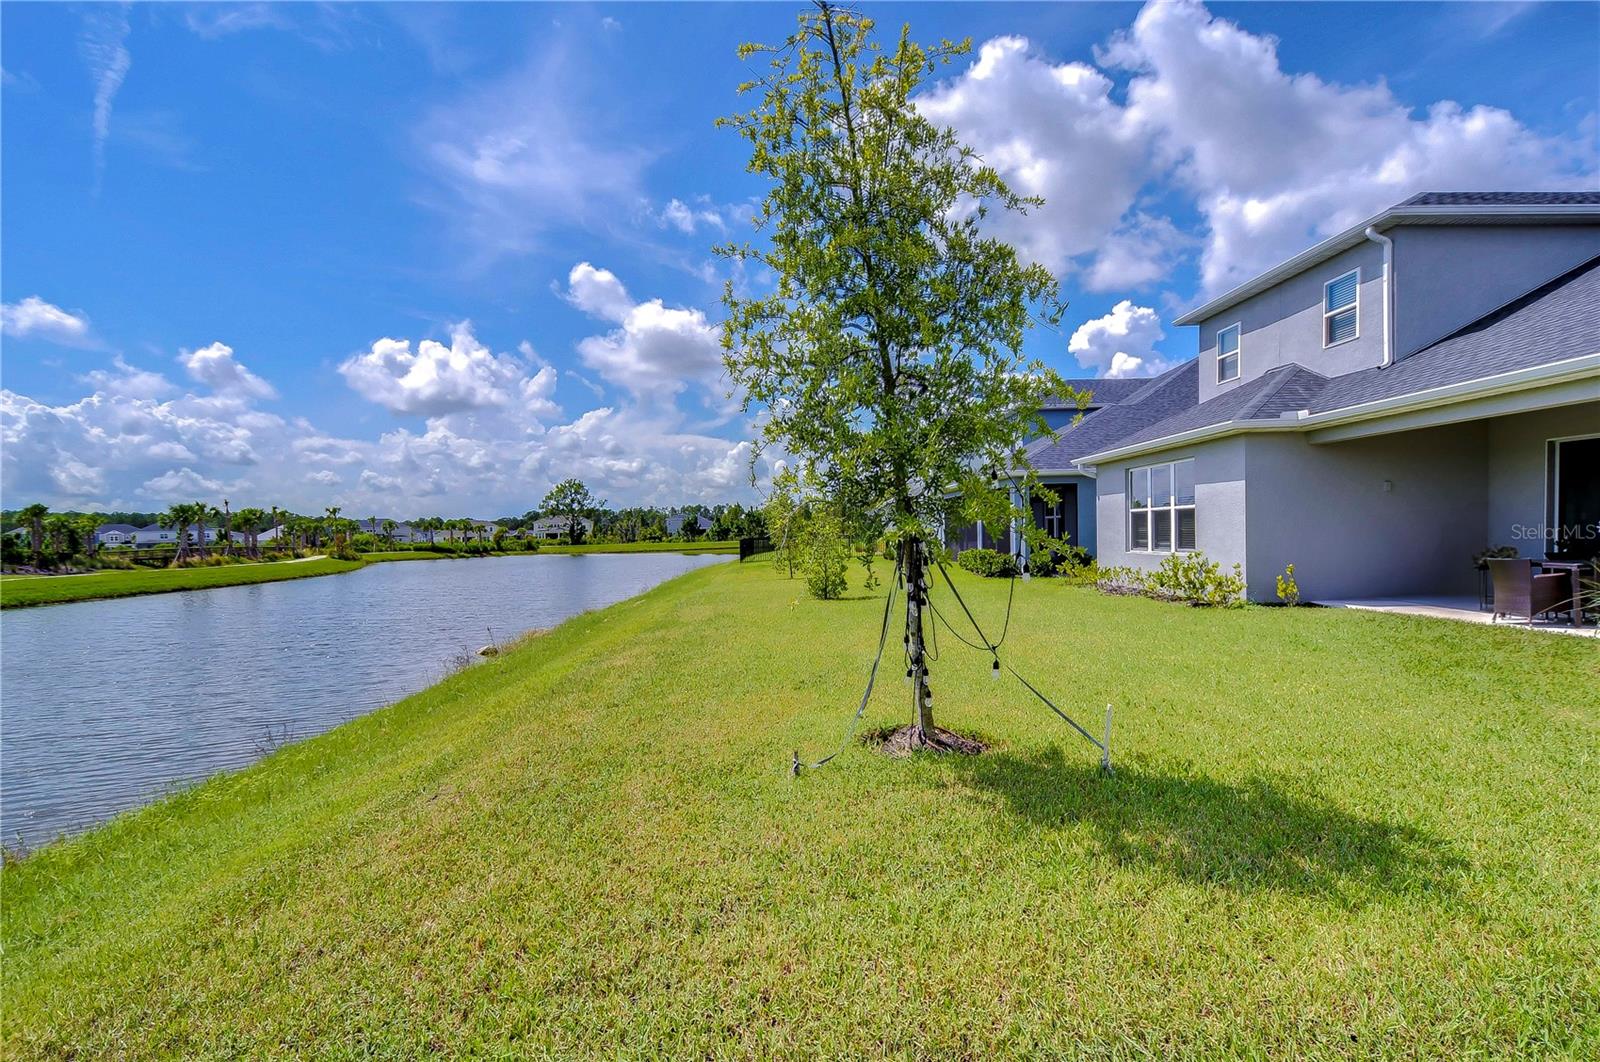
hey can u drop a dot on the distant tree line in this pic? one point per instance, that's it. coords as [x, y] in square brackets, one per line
[207, 533]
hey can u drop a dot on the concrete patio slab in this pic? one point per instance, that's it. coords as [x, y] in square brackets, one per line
[1460, 609]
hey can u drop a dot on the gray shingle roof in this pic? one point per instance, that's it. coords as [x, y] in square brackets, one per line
[1503, 199]
[1142, 402]
[1101, 392]
[1555, 322]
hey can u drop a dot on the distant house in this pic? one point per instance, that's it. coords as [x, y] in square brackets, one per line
[155, 535]
[676, 521]
[551, 528]
[1375, 411]
[115, 534]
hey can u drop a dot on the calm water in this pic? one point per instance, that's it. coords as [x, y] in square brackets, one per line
[107, 704]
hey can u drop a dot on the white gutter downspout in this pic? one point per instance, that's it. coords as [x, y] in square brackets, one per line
[1388, 293]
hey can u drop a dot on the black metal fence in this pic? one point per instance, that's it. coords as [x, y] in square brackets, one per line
[749, 547]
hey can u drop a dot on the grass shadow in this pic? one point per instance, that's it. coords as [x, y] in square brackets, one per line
[1250, 836]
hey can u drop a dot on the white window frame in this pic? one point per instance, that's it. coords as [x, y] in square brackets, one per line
[1328, 314]
[1173, 507]
[1238, 353]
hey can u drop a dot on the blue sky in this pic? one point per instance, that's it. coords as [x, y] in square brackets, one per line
[417, 259]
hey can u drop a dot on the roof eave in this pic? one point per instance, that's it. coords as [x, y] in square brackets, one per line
[1482, 387]
[1356, 235]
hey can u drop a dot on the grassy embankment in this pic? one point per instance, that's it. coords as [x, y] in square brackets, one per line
[23, 591]
[1330, 833]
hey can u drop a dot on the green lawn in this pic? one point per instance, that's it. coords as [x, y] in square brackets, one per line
[1330, 834]
[20, 592]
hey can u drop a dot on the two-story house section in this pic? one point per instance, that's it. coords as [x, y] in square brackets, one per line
[1382, 407]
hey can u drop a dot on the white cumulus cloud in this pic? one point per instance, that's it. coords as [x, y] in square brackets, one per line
[1271, 160]
[1121, 343]
[1052, 130]
[434, 379]
[32, 317]
[1277, 160]
[217, 368]
[180, 485]
[656, 350]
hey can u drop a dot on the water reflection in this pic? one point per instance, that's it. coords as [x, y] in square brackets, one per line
[106, 704]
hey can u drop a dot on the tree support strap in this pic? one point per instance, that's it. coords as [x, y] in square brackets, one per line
[992, 648]
[795, 765]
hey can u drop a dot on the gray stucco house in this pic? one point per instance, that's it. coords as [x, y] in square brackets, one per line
[1375, 410]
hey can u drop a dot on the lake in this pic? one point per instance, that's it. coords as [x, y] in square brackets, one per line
[106, 705]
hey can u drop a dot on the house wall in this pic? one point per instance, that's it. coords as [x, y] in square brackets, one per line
[1219, 490]
[1284, 324]
[1391, 515]
[1516, 512]
[1325, 508]
[1447, 276]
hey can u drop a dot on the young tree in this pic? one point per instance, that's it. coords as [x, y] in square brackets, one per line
[784, 519]
[887, 361]
[826, 554]
[570, 499]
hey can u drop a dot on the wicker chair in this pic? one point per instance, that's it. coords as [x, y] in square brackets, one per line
[1520, 593]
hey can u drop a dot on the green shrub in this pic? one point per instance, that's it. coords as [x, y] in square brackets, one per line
[1085, 574]
[989, 563]
[1122, 581]
[825, 555]
[1288, 588]
[1057, 559]
[1191, 577]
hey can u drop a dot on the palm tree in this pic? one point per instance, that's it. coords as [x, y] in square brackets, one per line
[88, 529]
[179, 517]
[34, 516]
[388, 531]
[61, 529]
[250, 521]
[227, 529]
[202, 514]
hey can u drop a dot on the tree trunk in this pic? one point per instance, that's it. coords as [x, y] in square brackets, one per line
[922, 731]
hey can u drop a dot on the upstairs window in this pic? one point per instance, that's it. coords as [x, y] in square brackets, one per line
[1228, 354]
[1339, 297]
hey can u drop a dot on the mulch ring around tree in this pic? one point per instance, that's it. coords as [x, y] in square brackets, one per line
[896, 741]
